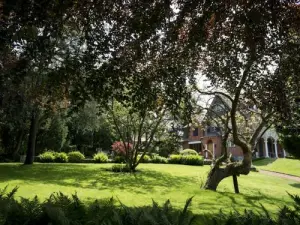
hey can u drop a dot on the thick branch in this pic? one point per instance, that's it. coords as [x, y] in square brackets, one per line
[213, 93]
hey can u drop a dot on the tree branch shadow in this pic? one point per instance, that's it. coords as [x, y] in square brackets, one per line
[85, 176]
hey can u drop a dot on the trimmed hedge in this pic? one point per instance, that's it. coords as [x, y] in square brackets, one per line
[188, 152]
[159, 159]
[186, 159]
[100, 158]
[192, 160]
[75, 157]
[175, 159]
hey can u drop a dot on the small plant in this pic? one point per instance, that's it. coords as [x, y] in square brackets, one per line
[47, 157]
[120, 168]
[159, 159]
[60, 157]
[101, 158]
[188, 152]
[75, 157]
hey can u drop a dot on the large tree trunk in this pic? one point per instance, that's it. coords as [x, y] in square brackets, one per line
[217, 173]
[32, 137]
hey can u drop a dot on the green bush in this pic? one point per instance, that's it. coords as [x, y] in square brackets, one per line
[47, 157]
[188, 152]
[101, 158]
[145, 159]
[119, 159]
[75, 157]
[175, 159]
[60, 157]
[158, 159]
[120, 168]
[186, 159]
[192, 160]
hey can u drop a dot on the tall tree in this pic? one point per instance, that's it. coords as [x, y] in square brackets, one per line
[137, 129]
[244, 51]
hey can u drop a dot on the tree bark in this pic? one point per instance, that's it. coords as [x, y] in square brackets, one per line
[217, 173]
[235, 184]
[32, 137]
[19, 144]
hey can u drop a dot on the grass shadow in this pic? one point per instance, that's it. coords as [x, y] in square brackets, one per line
[264, 162]
[241, 202]
[295, 185]
[87, 176]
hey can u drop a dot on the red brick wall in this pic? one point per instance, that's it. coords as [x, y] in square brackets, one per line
[216, 141]
[236, 151]
[195, 138]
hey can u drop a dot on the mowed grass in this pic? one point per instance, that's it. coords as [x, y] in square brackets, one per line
[153, 181]
[289, 166]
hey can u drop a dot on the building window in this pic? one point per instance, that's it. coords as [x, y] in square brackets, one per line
[195, 132]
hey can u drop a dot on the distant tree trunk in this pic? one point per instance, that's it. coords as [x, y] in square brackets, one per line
[19, 143]
[34, 122]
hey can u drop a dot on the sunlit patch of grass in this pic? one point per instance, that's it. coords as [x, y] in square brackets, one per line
[153, 181]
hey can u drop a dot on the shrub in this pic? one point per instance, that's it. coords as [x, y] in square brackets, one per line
[145, 159]
[186, 159]
[120, 168]
[101, 158]
[159, 159]
[60, 157]
[47, 157]
[75, 157]
[119, 159]
[188, 152]
[119, 148]
[192, 160]
[175, 159]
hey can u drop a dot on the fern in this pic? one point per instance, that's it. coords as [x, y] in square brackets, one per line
[69, 210]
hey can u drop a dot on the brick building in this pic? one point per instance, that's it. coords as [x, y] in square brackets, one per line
[200, 138]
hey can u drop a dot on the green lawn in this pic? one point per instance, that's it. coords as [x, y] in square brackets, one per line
[154, 181]
[289, 166]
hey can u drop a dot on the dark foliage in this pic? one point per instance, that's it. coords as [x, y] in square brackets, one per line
[65, 210]
[62, 209]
